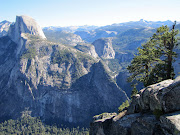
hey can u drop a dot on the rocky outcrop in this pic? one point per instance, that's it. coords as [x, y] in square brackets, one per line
[24, 24]
[87, 48]
[104, 48]
[4, 27]
[153, 111]
[57, 83]
[163, 96]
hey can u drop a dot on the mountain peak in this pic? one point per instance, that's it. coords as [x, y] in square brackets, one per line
[25, 24]
[142, 20]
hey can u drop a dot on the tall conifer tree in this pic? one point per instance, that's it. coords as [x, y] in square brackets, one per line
[153, 62]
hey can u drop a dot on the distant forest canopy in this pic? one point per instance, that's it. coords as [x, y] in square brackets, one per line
[31, 125]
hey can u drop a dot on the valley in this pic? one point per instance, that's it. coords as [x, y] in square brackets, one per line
[66, 75]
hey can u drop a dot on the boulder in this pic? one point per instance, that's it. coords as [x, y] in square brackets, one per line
[170, 97]
[102, 124]
[150, 112]
[123, 125]
[170, 123]
[162, 96]
[113, 125]
[144, 125]
[134, 106]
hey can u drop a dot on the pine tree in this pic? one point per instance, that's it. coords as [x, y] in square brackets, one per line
[134, 90]
[143, 63]
[166, 42]
[153, 62]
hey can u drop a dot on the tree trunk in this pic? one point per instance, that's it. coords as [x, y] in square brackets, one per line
[170, 53]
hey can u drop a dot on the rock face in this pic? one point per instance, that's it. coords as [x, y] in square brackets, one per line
[4, 27]
[24, 24]
[87, 48]
[57, 83]
[153, 111]
[104, 48]
[163, 96]
[18, 31]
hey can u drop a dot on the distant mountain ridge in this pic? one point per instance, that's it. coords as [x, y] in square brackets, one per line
[92, 33]
[71, 28]
[145, 23]
[140, 23]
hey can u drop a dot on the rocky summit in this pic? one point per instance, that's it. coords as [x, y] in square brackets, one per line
[24, 24]
[155, 110]
[59, 84]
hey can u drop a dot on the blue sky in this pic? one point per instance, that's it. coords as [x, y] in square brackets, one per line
[90, 12]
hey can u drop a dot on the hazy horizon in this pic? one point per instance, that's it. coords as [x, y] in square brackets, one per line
[90, 12]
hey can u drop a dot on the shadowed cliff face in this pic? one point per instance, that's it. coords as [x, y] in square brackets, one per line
[55, 81]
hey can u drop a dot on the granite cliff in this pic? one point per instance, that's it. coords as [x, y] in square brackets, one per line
[24, 24]
[104, 48]
[87, 48]
[155, 110]
[57, 83]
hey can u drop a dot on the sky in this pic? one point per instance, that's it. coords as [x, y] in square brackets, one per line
[90, 12]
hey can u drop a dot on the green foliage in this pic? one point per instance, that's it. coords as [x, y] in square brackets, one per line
[76, 61]
[33, 126]
[166, 42]
[84, 47]
[84, 57]
[158, 113]
[30, 53]
[134, 90]
[153, 63]
[33, 39]
[62, 56]
[123, 106]
[143, 63]
[43, 51]
[67, 57]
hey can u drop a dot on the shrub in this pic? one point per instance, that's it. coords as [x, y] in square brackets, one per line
[30, 53]
[123, 106]
[158, 113]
